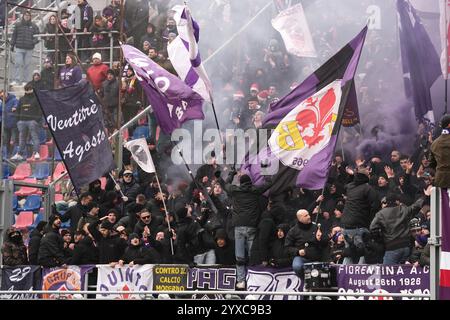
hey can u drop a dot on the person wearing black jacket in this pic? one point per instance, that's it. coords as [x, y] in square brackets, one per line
[110, 247]
[146, 218]
[96, 191]
[75, 213]
[187, 244]
[246, 200]
[14, 251]
[35, 241]
[360, 207]
[51, 250]
[29, 118]
[85, 251]
[224, 250]
[393, 221]
[110, 94]
[136, 253]
[23, 42]
[305, 242]
[279, 255]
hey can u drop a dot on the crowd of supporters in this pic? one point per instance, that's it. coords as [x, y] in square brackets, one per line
[374, 209]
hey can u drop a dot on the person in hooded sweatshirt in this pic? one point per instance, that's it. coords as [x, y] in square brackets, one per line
[136, 253]
[96, 191]
[14, 252]
[224, 250]
[85, 251]
[278, 253]
[110, 202]
[35, 242]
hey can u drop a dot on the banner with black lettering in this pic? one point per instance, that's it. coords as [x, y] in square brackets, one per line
[26, 278]
[170, 277]
[407, 279]
[75, 119]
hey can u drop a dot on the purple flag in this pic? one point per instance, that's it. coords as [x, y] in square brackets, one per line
[307, 122]
[444, 282]
[172, 100]
[420, 61]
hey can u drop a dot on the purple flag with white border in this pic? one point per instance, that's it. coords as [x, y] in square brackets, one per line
[172, 100]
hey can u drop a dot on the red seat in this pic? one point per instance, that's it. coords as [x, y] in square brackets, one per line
[125, 135]
[22, 171]
[43, 152]
[59, 197]
[28, 191]
[60, 169]
[24, 220]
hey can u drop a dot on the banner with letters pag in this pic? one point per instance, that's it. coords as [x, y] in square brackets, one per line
[208, 278]
[406, 279]
[71, 278]
[132, 279]
[265, 279]
[26, 278]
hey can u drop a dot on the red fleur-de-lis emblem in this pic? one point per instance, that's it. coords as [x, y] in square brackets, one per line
[125, 296]
[314, 119]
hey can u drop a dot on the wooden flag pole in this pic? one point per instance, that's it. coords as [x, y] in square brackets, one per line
[167, 213]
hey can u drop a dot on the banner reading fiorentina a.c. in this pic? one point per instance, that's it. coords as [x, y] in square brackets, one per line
[24, 278]
[406, 279]
[444, 274]
[64, 279]
[132, 279]
[74, 117]
[263, 279]
[293, 27]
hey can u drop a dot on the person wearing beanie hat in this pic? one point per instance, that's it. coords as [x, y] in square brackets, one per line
[439, 159]
[110, 246]
[278, 252]
[51, 249]
[246, 213]
[96, 73]
[136, 253]
[91, 216]
[224, 249]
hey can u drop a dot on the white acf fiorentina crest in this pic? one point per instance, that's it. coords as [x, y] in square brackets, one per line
[307, 129]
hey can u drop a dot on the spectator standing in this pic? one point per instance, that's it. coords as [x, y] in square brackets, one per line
[84, 16]
[23, 42]
[14, 252]
[110, 94]
[51, 27]
[35, 242]
[29, 118]
[440, 155]
[10, 131]
[71, 73]
[51, 250]
[96, 73]
[76, 212]
[136, 18]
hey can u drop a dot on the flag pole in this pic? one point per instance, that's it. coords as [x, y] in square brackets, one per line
[446, 96]
[167, 213]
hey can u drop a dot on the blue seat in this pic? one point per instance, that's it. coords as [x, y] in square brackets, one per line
[41, 171]
[39, 217]
[42, 136]
[32, 203]
[65, 225]
[57, 155]
[6, 171]
[15, 203]
[141, 132]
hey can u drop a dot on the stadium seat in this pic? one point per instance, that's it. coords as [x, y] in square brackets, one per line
[39, 217]
[15, 203]
[24, 220]
[43, 152]
[59, 197]
[42, 136]
[125, 135]
[57, 155]
[60, 169]
[41, 171]
[6, 171]
[28, 191]
[22, 171]
[141, 132]
[32, 203]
